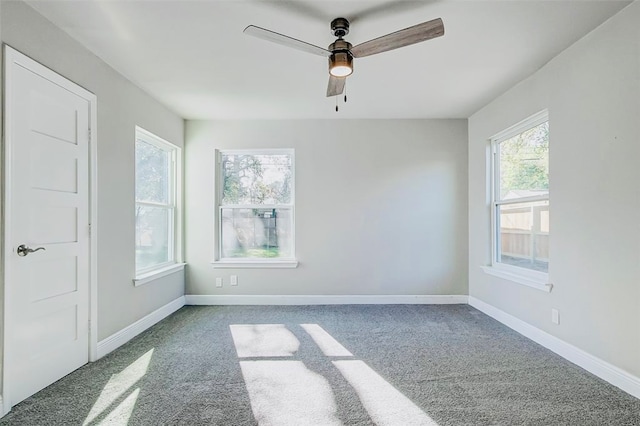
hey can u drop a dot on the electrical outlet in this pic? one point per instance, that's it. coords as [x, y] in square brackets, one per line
[555, 316]
[218, 282]
[234, 279]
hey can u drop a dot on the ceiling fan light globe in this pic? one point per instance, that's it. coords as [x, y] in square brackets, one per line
[341, 71]
[340, 64]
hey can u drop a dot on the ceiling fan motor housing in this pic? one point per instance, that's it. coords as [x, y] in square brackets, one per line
[341, 59]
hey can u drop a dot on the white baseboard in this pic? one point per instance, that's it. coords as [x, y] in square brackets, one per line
[325, 300]
[123, 336]
[606, 371]
[610, 373]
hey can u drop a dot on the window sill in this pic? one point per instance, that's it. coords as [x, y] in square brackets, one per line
[147, 277]
[254, 264]
[539, 282]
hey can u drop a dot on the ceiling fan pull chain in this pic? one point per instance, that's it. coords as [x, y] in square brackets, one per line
[345, 92]
[336, 104]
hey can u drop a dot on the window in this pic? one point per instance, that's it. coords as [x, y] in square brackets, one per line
[156, 210]
[520, 198]
[255, 208]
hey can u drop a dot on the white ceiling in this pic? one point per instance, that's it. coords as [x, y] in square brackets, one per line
[193, 57]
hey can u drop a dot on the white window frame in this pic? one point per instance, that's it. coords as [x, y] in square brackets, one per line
[174, 206]
[220, 262]
[535, 279]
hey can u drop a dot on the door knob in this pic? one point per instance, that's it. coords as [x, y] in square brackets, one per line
[23, 250]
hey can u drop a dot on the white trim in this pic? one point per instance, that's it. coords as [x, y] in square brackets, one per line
[608, 372]
[526, 124]
[522, 200]
[259, 151]
[528, 278]
[121, 337]
[174, 204]
[494, 173]
[217, 196]
[338, 299]
[6, 213]
[218, 183]
[157, 273]
[154, 140]
[12, 56]
[93, 199]
[258, 206]
[254, 264]
[154, 204]
[178, 236]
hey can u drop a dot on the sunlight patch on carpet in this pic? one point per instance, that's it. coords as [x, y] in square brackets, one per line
[121, 414]
[327, 344]
[260, 340]
[117, 385]
[287, 393]
[386, 405]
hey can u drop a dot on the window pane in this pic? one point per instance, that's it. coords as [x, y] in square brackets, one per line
[152, 173]
[256, 179]
[524, 235]
[153, 225]
[257, 233]
[524, 164]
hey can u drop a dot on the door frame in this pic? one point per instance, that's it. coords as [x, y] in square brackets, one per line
[12, 56]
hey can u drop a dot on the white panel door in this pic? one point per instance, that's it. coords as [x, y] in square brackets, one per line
[47, 194]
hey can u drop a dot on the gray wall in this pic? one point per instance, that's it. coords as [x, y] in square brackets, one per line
[121, 106]
[381, 206]
[592, 91]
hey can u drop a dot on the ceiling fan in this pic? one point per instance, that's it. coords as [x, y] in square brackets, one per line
[341, 53]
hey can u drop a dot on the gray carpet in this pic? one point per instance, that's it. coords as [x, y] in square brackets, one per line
[438, 365]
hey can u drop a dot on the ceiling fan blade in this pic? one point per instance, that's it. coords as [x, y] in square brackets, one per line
[285, 40]
[336, 85]
[406, 37]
